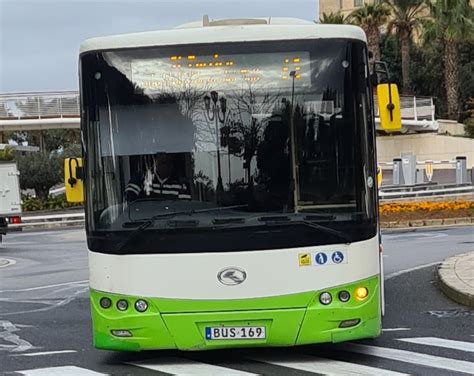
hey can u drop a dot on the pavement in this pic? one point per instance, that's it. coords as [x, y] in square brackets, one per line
[456, 278]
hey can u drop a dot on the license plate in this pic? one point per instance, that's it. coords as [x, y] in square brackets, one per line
[236, 332]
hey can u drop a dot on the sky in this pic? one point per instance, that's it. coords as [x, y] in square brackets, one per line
[40, 39]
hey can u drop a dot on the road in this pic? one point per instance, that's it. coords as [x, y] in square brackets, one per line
[45, 325]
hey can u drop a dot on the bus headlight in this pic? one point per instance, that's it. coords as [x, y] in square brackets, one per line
[344, 296]
[141, 305]
[325, 298]
[122, 305]
[105, 303]
[361, 293]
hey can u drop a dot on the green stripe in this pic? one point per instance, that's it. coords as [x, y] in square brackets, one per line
[294, 319]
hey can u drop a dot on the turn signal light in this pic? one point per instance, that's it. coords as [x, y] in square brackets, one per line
[361, 293]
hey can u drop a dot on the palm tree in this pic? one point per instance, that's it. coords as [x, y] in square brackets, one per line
[405, 19]
[451, 23]
[332, 18]
[370, 17]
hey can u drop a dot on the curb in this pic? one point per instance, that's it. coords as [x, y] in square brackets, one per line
[453, 281]
[428, 222]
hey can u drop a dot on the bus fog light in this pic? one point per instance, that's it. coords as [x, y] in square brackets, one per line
[344, 296]
[122, 333]
[105, 303]
[361, 293]
[122, 305]
[325, 298]
[141, 305]
[349, 323]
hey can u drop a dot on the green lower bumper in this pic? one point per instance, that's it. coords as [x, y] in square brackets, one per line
[289, 320]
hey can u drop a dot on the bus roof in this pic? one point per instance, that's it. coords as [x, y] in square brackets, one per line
[232, 30]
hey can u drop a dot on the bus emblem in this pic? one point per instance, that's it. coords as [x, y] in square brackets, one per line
[231, 276]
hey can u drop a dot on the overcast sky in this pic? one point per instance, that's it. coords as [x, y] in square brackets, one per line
[39, 39]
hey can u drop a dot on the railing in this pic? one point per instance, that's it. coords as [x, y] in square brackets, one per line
[414, 108]
[43, 105]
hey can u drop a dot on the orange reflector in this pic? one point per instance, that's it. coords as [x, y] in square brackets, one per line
[361, 293]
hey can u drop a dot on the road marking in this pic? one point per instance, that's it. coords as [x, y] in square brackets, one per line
[441, 342]
[182, 366]
[4, 262]
[46, 286]
[47, 353]
[324, 366]
[412, 357]
[395, 329]
[60, 371]
[396, 274]
[8, 335]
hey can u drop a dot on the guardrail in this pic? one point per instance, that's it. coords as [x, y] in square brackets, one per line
[51, 220]
[40, 105]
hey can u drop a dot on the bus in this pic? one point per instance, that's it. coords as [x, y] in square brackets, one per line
[230, 185]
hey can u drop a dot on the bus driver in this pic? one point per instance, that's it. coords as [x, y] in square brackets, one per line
[159, 180]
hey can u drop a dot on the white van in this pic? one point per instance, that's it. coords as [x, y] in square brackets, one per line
[10, 198]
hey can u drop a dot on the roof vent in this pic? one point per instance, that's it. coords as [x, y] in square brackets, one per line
[233, 21]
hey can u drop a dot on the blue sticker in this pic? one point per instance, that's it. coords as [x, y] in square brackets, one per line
[337, 257]
[321, 258]
[208, 333]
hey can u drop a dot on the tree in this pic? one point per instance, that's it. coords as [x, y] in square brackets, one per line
[333, 18]
[370, 18]
[451, 23]
[40, 171]
[406, 18]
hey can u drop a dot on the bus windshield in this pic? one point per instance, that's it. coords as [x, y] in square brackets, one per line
[228, 147]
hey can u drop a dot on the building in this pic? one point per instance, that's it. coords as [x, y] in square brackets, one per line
[347, 6]
[343, 6]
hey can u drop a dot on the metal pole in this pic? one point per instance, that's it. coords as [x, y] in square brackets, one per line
[220, 186]
[293, 146]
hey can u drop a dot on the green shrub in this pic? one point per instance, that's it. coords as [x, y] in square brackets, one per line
[53, 203]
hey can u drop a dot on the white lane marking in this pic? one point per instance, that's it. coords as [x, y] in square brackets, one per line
[324, 366]
[10, 262]
[8, 335]
[412, 357]
[50, 306]
[60, 371]
[47, 286]
[396, 274]
[47, 353]
[182, 366]
[395, 329]
[441, 342]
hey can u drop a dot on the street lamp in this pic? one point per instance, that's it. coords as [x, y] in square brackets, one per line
[216, 113]
[294, 166]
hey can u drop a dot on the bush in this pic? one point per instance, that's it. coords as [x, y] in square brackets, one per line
[33, 203]
[7, 154]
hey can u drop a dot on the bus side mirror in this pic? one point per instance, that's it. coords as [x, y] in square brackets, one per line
[389, 107]
[73, 179]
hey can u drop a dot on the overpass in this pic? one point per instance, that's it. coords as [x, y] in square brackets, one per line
[60, 110]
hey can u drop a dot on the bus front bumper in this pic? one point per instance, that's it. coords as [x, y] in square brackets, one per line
[286, 324]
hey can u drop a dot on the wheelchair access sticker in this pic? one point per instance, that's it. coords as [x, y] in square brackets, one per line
[324, 258]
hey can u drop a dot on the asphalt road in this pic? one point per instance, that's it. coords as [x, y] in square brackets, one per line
[45, 324]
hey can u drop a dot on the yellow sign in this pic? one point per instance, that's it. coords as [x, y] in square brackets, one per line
[73, 179]
[304, 259]
[379, 176]
[429, 171]
[389, 107]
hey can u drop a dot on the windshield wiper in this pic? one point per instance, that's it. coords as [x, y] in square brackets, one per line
[145, 223]
[285, 219]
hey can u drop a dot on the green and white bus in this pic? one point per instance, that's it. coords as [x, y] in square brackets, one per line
[230, 186]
